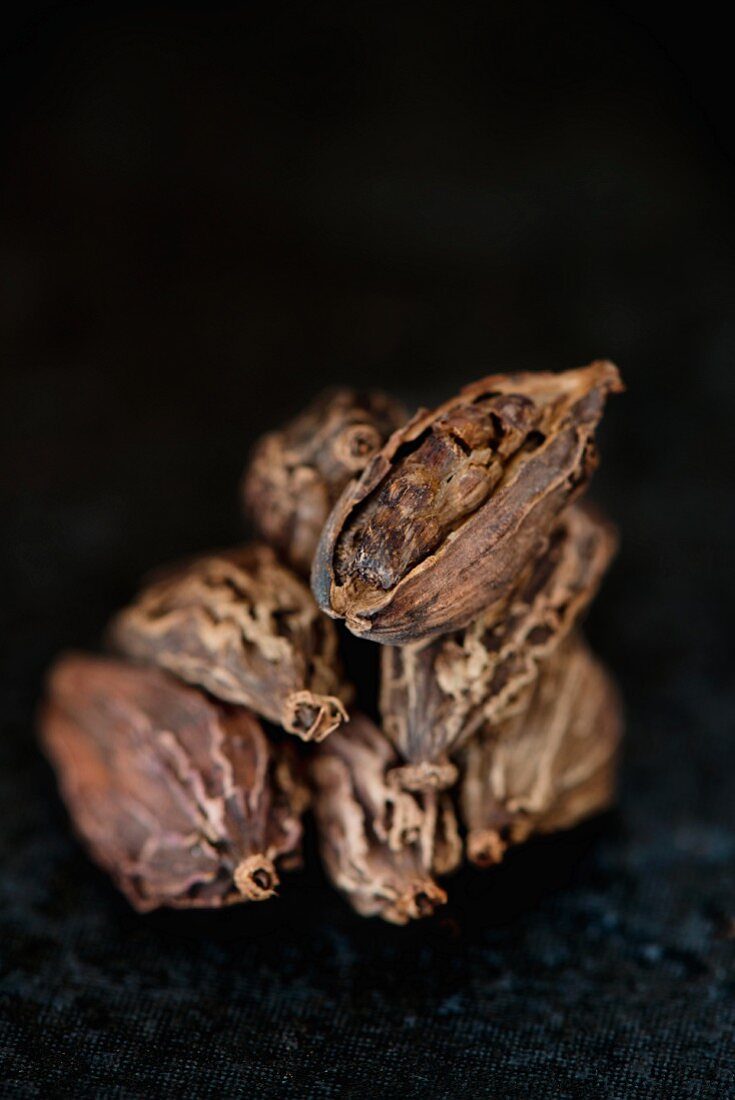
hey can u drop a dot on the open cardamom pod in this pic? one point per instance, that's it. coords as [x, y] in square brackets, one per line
[244, 627]
[381, 845]
[435, 694]
[295, 475]
[548, 767]
[457, 502]
[182, 800]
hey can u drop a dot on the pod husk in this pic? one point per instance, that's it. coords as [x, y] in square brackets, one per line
[244, 627]
[435, 695]
[541, 455]
[182, 800]
[381, 846]
[549, 767]
[296, 474]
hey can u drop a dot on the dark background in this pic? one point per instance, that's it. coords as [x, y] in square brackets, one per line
[207, 213]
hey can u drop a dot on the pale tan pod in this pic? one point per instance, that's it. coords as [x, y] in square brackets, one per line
[381, 845]
[548, 767]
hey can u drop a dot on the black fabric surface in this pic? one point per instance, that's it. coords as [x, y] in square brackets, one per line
[205, 217]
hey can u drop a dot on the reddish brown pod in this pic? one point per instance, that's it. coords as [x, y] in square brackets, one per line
[458, 502]
[182, 800]
[244, 627]
[549, 766]
[381, 845]
[434, 695]
[296, 474]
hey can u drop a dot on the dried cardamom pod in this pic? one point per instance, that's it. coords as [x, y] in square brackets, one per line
[245, 628]
[380, 845]
[457, 502]
[181, 799]
[546, 768]
[296, 474]
[435, 694]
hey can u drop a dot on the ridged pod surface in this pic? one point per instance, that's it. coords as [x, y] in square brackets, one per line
[296, 474]
[381, 845]
[548, 767]
[456, 504]
[182, 800]
[435, 695]
[244, 627]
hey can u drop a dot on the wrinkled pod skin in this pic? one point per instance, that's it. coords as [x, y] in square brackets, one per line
[381, 846]
[434, 695]
[549, 767]
[244, 627]
[182, 800]
[296, 474]
[458, 502]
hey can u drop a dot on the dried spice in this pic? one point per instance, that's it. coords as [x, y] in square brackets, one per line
[458, 502]
[456, 542]
[296, 474]
[434, 695]
[548, 767]
[381, 845]
[245, 628]
[181, 799]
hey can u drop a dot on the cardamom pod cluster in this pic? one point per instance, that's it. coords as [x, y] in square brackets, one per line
[455, 540]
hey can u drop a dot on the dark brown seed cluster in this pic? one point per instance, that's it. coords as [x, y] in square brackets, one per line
[454, 540]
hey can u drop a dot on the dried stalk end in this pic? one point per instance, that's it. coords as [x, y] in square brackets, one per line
[435, 695]
[420, 901]
[438, 776]
[549, 767]
[296, 474]
[242, 626]
[381, 845]
[355, 446]
[256, 878]
[486, 847]
[312, 717]
[458, 502]
[182, 800]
